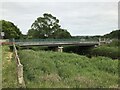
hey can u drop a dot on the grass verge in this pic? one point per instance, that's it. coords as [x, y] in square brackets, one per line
[9, 75]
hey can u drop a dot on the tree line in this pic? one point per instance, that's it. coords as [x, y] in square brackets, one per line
[44, 27]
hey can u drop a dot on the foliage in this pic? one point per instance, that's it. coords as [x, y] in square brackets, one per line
[47, 27]
[47, 69]
[112, 52]
[113, 34]
[10, 30]
[108, 50]
[23, 36]
[81, 50]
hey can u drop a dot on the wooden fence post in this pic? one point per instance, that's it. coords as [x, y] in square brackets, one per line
[20, 75]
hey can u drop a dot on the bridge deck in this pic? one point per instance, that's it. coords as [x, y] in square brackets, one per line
[56, 42]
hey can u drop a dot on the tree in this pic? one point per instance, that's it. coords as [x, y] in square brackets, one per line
[10, 30]
[61, 33]
[47, 27]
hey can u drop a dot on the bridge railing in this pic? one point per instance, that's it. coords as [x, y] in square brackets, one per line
[46, 42]
[59, 41]
[55, 40]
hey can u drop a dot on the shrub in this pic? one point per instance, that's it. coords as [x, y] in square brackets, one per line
[111, 52]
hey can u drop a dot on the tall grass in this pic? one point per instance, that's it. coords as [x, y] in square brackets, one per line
[44, 69]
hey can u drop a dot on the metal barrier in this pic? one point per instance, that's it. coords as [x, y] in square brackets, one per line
[48, 42]
[52, 40]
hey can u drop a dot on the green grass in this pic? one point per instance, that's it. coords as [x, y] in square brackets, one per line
[0, 66]
[9, 73]
[47, 69]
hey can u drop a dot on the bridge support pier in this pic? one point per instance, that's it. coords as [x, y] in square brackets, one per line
[60, 49]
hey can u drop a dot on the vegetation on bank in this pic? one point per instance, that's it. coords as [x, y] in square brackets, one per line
[108, 50]
[9, 73]
[47, 69]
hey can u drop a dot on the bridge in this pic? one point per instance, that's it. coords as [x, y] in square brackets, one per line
[56, 43]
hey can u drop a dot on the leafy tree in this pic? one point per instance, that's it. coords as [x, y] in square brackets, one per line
[23, 36]
[47, 27]
[10, 30]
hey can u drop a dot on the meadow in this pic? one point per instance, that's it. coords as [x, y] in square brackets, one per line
[48, 69]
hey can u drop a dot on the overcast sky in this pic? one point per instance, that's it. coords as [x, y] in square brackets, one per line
[79, 18]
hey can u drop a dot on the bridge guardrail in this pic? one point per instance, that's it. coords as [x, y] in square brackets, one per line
[23, 42]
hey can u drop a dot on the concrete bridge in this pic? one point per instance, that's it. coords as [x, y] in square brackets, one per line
[56, 43]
